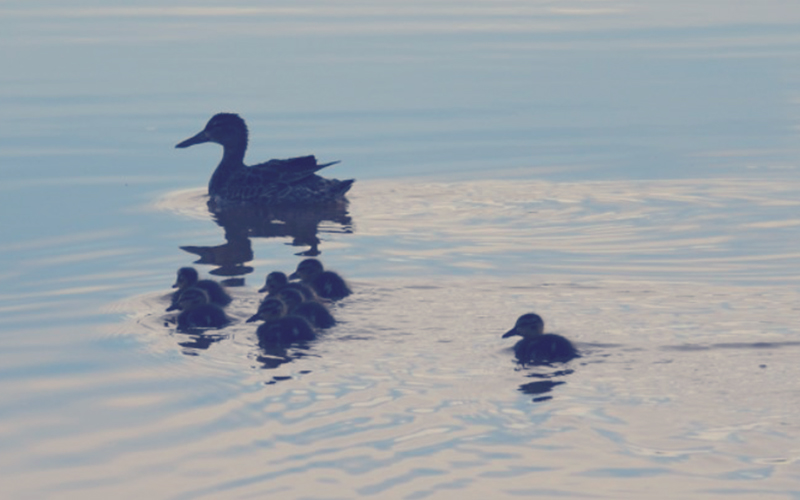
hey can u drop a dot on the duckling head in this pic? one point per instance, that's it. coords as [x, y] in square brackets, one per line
[528, 326]
[269, 310]
[227, 129]
[307, 269]
[187, 276]
[192, 297]
[275, 281]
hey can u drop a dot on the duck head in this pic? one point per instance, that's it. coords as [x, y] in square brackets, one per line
[187, 276]
[527, 326]
[307, 269]
[227, 129]
[275, 281]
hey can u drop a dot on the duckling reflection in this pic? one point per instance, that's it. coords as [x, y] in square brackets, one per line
[198, 312]
[537, 347]
[277, 182]
[327, 284]
[188, 278]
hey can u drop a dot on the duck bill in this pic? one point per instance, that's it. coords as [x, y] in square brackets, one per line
[510, 333]
[200, 138]
[263, 289]
[294, 276]
[173, 307]
[253, 318]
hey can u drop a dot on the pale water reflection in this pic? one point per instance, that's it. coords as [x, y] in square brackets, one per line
[684, 387]
[626, 169]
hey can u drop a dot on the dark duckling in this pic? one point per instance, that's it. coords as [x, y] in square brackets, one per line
[270, 309]
[279, 329]
[291, 297]
[537, 347]
[300, 299]
[277, 280]
[187, 277]
[284, 331]
[327, 284]
[274, 282]
[277, 182]
[316, 314]
[197, 312]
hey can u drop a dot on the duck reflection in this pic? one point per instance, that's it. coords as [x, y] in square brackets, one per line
[541, 387]
[199, 341]
[243, 222]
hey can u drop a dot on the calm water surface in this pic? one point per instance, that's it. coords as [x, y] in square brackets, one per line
[627, 171]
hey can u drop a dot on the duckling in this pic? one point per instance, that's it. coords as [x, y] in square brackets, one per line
[277, 182]
[300, 299]
[187, 277]
[291, 297]
[279, 329]
[270, 309]
[197, 312]
[537, 347]
[285, 330]
[327, 284]
[277, 280]
[316, 314]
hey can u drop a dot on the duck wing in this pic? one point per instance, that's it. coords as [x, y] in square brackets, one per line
[288, 171]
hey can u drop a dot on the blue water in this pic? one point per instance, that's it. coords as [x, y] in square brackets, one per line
[629, 172]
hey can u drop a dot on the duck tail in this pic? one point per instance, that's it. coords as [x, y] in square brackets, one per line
[323, 165]
[343, 187]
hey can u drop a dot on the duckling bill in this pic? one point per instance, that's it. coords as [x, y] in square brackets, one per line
[291, 181]
[537, 347]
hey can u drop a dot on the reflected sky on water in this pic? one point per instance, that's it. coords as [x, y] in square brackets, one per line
[628, 171]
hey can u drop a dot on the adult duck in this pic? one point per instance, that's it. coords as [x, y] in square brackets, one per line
[291, 181]
[537, 347]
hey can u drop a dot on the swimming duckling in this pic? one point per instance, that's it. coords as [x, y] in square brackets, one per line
[291, 297]
[270, 309]
[300, 299]
[316, 314]
[277, 280]
[277, 182]
[279, 329]
[285, 330]
[537, 347]
[197, 312]
[327, 284]
[187, 277]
